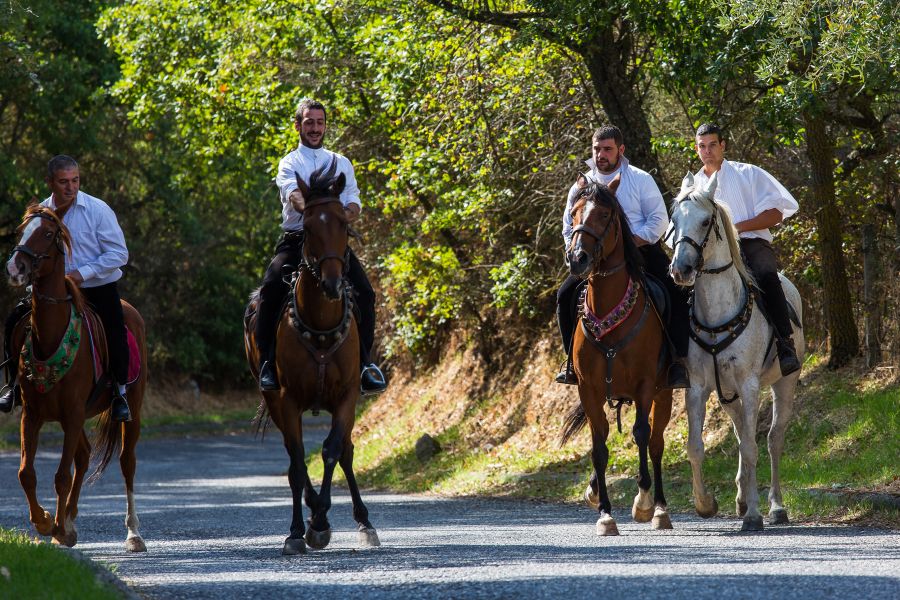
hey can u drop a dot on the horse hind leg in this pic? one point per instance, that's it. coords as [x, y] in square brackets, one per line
[134, 542]
[642, 508]
[746, 479]
[659, 418]
[782, 408]
[62, 533]
[367, 534]
[82, 463]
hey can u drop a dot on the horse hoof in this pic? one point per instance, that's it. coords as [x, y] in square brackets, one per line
[135, 544]
[293, 546]
[607, 526]
[591, 498]
[45, 525]
[778, 517]
[752, 523]
[641, 515]
[706, 513]
[369, 538]
[317, 539]
[661, 520]
[741, 508]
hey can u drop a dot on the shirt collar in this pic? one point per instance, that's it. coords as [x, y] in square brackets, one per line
[75, 202]
[623, 165]
[311, 152]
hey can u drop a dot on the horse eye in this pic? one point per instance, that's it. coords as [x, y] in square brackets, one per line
[48, 234]
[706, 222]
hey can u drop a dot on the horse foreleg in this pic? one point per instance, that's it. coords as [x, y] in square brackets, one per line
[367, 534]
[782, 406]
[28, 434]
[64, 531]
[82, 462]
[748, 489]
[297, 476]
[642, 508]
[660, 414]
[128, 463]
[319, 532]
[596, 417]
[695, 401]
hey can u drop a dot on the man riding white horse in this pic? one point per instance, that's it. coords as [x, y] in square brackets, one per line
[310, 155]
[757, 202]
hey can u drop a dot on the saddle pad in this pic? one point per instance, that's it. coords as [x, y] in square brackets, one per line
[134, 356]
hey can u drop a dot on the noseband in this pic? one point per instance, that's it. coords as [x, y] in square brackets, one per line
[713, 226]
[314, 264]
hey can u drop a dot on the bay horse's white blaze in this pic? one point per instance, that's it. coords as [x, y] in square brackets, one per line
[18, 273]
[743, 369]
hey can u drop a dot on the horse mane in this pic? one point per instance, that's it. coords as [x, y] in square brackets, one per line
[321, 180]
[36, 209]
[598, 192]
[731, 234]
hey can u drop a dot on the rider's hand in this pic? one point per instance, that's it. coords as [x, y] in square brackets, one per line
[297, 201]
[351, 211]
[76, 277]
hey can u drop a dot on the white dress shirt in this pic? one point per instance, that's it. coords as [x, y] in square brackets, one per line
[638, 196]
[98, 244]
[748, 191]
[305, 161]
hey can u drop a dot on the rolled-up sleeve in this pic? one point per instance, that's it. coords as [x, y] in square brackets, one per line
[350, 195]
[653, 207]
[567, 215]
[113, 252]
[768, 194]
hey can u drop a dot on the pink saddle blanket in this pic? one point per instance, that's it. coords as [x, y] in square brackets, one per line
[134, 357]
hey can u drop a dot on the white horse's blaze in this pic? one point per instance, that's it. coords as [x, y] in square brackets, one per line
[718, 298]
[16, 270]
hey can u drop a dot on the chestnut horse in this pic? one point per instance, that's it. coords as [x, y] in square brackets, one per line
[615, 352]
[65, 393]
[317, 360]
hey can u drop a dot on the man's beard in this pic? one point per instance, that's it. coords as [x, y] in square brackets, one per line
[309, 144]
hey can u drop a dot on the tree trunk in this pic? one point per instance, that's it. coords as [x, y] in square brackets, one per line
[622, 105]
[838, 305]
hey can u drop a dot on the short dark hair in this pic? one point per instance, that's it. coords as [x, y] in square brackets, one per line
[306, 104]
[609, 132]
[710, 129]
[60, 162]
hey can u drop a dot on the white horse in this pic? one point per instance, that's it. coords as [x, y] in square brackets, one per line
[731, 349]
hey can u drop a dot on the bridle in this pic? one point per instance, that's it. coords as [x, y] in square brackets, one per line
[37, 257]
[713, 226]
[314, 264]
[597, 255]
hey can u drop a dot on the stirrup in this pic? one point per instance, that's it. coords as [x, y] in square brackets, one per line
[566, 376]
[371, 380]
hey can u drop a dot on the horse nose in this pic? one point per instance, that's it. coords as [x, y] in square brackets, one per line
[334, 287]
[579, 261]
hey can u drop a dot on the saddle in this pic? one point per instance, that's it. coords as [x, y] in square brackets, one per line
[659, 297]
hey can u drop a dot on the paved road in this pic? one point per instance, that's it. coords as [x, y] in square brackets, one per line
[215, 511]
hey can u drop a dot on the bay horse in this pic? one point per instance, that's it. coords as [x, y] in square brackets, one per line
[56, 375]
[731, 348]
[615, 354]
[317, 361]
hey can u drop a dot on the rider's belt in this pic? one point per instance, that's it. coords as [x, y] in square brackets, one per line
[293, 236]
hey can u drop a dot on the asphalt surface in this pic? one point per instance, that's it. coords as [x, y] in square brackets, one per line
[215, 511]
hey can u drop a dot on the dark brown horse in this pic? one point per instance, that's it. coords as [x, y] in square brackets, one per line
[56, 375]
[615, 352]
[317, 360]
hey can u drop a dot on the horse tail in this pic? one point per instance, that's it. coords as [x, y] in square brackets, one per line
[575, 422]
[106, 440]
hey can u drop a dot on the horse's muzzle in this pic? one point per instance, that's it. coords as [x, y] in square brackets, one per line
[18, 273]
[683, 275]
[333, 287]
[579, 262]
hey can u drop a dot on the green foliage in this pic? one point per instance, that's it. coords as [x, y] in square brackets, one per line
[29, 570]
[516, 282]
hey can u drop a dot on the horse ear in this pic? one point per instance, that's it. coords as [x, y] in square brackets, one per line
[614, 184]
[713, 183]
[687, 183]
[338, 186]
[581, 182]
[301, 185]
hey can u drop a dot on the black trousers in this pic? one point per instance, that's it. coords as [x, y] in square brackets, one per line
[760, 258]
[657, 264]
[274, 289]
[107, 303]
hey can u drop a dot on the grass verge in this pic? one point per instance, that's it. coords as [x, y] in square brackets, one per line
[36, 570]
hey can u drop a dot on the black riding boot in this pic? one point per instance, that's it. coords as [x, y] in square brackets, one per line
[11, 398]
[678, 376]
[787, 356]
[119, 410]
[268, 377]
